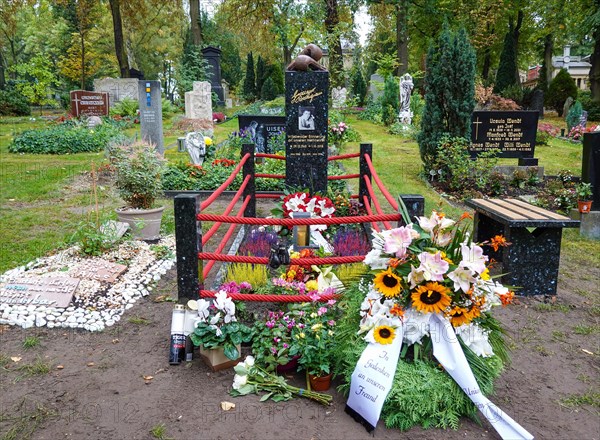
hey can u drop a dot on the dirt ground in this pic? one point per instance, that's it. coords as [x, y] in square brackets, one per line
[81, 385]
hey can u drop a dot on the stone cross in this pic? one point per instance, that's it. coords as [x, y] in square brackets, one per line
[338, 97]
[198, 102]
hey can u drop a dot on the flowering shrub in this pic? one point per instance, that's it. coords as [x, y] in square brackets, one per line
[544, 132]
[258, 243]
[219, 117]
[576, 133]
[348, 242]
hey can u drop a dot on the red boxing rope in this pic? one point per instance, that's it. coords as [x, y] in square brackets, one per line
[225, 184]
[271, 176]
[270, 298]
[264, 260]
[380, 184]
[344, 176]
[270, 156]
[229, 208]
[375, 201]
[370, 212]
[297, 221]
[344, 156]
[226, 238]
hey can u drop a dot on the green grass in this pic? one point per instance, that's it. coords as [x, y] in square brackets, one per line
[139, 320]
[590, 398]
[26, 421]
[583, 329]
[159, 432]
[36, 368]
[31, 342]
[543, 307]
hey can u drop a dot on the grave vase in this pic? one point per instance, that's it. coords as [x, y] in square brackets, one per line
[584, 206]
[144, 223]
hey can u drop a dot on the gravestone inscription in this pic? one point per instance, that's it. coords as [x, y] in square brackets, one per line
[151, 124]
[37, 290]
[513, 133]
[98, 269]
[262, 129]
[89, 103]
[306, 110]
[198, 102]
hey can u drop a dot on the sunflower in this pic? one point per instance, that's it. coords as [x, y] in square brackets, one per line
[460, 315]
[384, 334]
[388, 283]
[431, 298]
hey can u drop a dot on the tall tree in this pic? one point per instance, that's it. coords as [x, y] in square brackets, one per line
[334, 44]
[400, 10]
[195, 22]
[594, 25]
[505, 76]
[115, 10]
[249, 90]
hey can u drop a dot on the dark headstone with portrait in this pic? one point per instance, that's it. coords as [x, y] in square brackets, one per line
[306, 109]
[84, 103]
[262, 129]
[511, 132]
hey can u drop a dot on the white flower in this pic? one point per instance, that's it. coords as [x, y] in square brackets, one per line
[374, 260]
[225, 304]
[295, 203]
[203, 309]
[476, 339]
[433, 267]
[324, 210]
[215, 319]
[436, 220]
[473, 258]
[415, 326]
[239, 381]
[217, 330]
[462, 277]
[249, 361]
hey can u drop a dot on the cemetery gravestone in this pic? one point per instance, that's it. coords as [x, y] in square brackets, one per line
[84, 103]
[151, 124]
[117, 88]
[376, 86]
[306, 109]
[213, 56]
[590, 165]
[196, 147]
[537, 102]
[567, 106]
[198, 102]
[338, 97]
[262, 129]
[98, 269]
[513, 133]
[583, 119]
[37, 290]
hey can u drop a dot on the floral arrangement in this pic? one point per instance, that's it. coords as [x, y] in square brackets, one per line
[218, 327]
[430, 267]
[337, 132]
[576, 133]
[219, 117]
[317, 206]
[251, 379]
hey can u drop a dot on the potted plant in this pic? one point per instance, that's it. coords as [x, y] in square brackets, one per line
[584, 197]
[316, 343]
[139, 169]
[218, 333]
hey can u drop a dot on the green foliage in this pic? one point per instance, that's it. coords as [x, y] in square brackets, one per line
[589, 105]
[64, 139]
[513, 92]
[449, 96]
[358, 87]
[574, 115]
[542, 83]
[267, 92]
[417, 105]
[31, 342]
[561, 87]
[139, 170]
[38, 78]
[386, 64]
[389, 100]
[278, 79]
[249, 89]
[13, 103]
[372, 111]
[168, 108]
[94, 240]
[263, 71]
[507, 69]
[193, 68]
[126, 107]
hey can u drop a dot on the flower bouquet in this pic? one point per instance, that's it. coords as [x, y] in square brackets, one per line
[419, 271]
[218, 329]
[251, 379]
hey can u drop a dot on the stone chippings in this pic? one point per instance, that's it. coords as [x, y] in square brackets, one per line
[95, 305]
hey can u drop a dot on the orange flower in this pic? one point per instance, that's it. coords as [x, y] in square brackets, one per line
[394, 262]
[465, 215]
[397, 310]
[507, 298]
[498, 241]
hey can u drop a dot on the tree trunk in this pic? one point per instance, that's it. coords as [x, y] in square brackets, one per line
[336, 62]
[401, 7]
[82, 62]
[595, 69]
[487, 58]
[2, 73]
[195, 22]
[548, 49]
[516, 35]
[115, 9]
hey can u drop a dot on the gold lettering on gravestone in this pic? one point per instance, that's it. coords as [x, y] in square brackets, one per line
[502, 134]
[37, 290]
[305, 95]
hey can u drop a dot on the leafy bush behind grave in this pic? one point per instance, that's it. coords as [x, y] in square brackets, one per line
[13, 103]
[64, 139]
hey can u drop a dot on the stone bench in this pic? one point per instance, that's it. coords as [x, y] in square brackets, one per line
[531, 261]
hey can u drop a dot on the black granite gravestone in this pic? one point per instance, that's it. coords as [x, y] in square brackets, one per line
[513, 133]
[590, 165]
[537, 102]
[262, 129]
[306, 112]
[213, 56]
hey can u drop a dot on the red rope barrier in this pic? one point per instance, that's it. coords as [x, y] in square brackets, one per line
[267, 196]
[375, 201]
[344, 176]
[297, 221]
[269, 298]
[216, 226]
[344, 156]
[380, 184]
[272, 176]
[354, 196]
[370, 212]
[225, 184]
[270, 156]
[226, 238]
[214, 256]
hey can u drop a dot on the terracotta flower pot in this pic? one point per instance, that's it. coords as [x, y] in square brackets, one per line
[320, 383]
[584, 207]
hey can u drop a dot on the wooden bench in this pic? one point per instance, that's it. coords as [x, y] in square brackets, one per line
[531, 261]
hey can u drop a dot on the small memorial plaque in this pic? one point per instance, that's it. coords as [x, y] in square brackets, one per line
[89, 103]
[37, 290]
[262, 129]
[100, 270]
[513, 133]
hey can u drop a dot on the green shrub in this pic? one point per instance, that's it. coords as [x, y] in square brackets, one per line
[267, 92]
[561, 87]
[372, 111]
[126, 107]
[359, 86]
[13, 103]
[64, 139]
[389, 101]
[513, 92]
[574, 115]
[168, 108]
[590, 106]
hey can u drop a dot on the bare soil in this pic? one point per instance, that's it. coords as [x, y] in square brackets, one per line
[81, 385]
